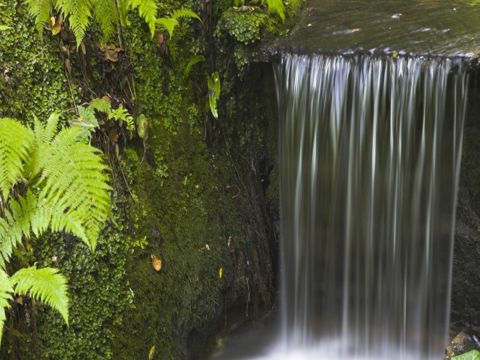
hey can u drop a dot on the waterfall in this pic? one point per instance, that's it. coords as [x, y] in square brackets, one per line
[370, 151]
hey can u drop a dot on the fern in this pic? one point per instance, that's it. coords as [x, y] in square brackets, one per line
[87, 117]
[105, 14]
[69, 186]
[173, 21]
[40, 10]
[185, 14]
[64, 189]
[193, 61]
[74, 178]
[78, 13]
[121, 114]
[15, 147]
[168, 24]
[6, 291]
[147, 10]
[100, 104]
[15, 225]
[46, 285]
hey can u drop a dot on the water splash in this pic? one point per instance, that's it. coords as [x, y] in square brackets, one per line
[369, 162]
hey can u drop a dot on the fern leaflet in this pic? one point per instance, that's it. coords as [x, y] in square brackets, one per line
[46, 285]
[40, 10]
[78, 13]
[16, 142]
[6, 291]
[170, 23]
[106, 16]
[147, 10]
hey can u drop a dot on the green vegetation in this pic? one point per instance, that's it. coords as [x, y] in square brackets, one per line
[108, 14]
[471, 355]
[88, 116]
[149, 107]
[213, 93]
[50, 181]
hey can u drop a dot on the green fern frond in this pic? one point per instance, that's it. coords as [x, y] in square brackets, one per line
[78, 13]
[41, 11]
[16, 144]
[99, 104]
[185, 14]
[123, 7]
[122, 114]
[44, 217]
[106, 15]
[65, 190]
[15, 225]
[147, 10]
[6, 292]
[170, 23]
[74, 178]
[69, 177]
[46, 285]
[87, 116]
[45, 133]
[42, 134]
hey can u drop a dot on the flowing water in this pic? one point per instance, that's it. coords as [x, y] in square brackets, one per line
[369, 162]
[447, 27]
[371, 123]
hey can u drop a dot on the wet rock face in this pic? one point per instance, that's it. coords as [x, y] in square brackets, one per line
[465, 310]
[462, 343]
[466, 266]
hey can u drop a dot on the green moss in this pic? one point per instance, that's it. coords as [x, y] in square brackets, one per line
[100, 298]
[32, 77]
[180, 207]
[245, 27]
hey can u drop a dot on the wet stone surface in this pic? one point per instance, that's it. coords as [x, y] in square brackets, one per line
[439, 27]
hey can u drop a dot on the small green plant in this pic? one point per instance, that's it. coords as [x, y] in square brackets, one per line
[471, 355]
[88, 120]
[50, 181]
[213, 82]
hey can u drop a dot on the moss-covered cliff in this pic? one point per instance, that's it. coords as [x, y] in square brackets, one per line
[192, 193]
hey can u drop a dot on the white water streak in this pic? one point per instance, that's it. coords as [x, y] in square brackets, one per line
[369, 159]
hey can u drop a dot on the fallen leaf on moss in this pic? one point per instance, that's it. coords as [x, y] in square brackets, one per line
[156, 263]
[56, 24]
[110, 52]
